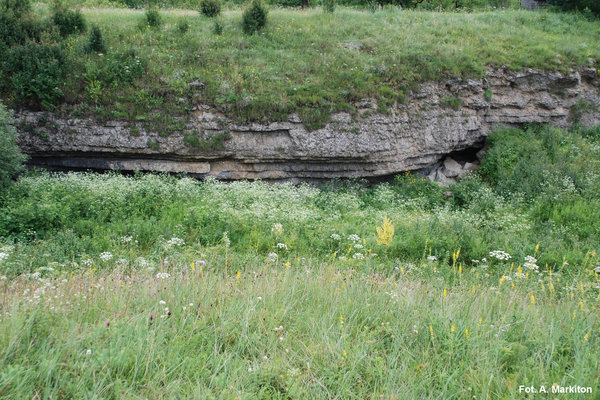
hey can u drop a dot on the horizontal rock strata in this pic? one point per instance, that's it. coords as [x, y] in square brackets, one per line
[438, 119]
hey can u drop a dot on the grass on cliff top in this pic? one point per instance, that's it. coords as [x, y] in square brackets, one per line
[314, 63]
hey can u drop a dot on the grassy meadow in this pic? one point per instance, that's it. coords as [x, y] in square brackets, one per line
[154, 286]
[304, 61]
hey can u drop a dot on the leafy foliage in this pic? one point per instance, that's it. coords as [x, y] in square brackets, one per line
[218, 27]
[32, 55]
[37, 73]
[11, 158]
[592, 6]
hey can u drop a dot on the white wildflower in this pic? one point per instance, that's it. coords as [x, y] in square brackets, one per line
[335, 236]
[282, 246]
[277, 229]
[354, 238]
[500, 255]
[3, 256]
[142, 262]
[106, 256]
[87, 262]
[174, 242]
[272, 257]
[531, 263]
[163, 275]
[358, 256]
[226, 240]
[432, 258]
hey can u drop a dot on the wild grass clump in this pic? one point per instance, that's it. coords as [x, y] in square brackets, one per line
[218, 27]
[208, 325]
[183, 26]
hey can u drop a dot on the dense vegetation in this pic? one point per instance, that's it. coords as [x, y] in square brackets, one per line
[11, 158]
[171, 287]
[309, 62]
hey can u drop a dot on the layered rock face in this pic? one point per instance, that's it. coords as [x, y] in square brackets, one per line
[438, 119]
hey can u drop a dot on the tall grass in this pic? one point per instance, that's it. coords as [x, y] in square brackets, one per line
[303, 331]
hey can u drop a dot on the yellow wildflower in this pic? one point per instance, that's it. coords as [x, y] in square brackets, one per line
[385, 232]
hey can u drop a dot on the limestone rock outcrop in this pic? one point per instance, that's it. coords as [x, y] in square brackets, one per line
[438, 119]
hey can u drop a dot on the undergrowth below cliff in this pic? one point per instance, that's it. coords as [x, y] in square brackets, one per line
[304, 61]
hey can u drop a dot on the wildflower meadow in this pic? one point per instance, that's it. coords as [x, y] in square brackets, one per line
[156, 286]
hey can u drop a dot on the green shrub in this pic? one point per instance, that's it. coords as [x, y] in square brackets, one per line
[589, 6]
[554, 170]
[153, 18]
[210, 8]
[95, 42]
[413, 187]
[17, 24]
[254, 18]
[68, 21]
[36, 72]
[329, 6]
[11, 158]
[32, 53]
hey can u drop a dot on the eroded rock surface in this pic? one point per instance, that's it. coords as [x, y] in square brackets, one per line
[438, 119]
